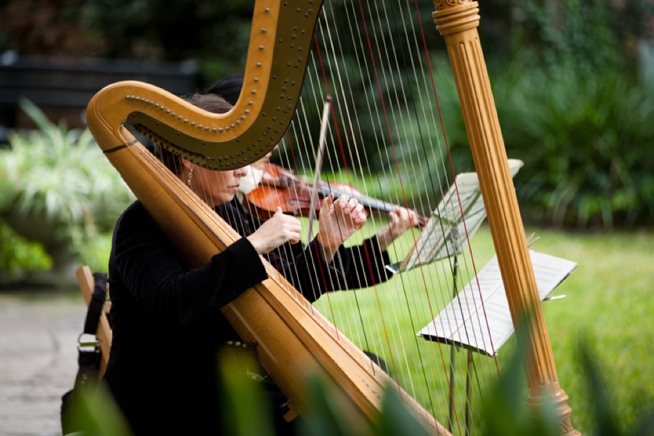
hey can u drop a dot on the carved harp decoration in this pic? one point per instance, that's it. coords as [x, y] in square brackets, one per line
[292, 336]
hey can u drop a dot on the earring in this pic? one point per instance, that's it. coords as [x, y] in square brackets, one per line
[190, 176]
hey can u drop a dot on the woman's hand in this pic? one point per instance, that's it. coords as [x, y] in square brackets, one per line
[276, 231]
[339, 219]
[402, 219]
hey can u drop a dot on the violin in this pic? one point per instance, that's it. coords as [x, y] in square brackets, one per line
[279, 187]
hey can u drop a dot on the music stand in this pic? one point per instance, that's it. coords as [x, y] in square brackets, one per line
[459, 213]
[454, 222]
[478, 318]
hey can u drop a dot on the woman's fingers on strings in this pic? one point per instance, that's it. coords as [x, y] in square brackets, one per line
[410, 217]
[342, 201]
[294, 229]
[359, 215]
[276, 231]
[345, 203]
[402, 219]
[350, 209]
[395, 214]
[414, 218]
[351, 205]
[327, 204]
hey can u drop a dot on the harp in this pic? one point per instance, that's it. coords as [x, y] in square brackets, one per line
[291, 334]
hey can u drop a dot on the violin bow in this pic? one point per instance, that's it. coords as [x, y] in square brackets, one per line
[322, 140]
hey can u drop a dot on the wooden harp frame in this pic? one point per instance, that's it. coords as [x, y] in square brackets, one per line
[286, 328]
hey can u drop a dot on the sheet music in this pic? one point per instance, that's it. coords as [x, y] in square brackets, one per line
[485, 328]
[445, 233]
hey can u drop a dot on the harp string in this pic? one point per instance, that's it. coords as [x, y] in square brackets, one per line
[385, 330]
[329, 40]
[387, 76]
[335, 133]
[426, 115]
[449, 160]
[338, 138]
[397, 121]
[448, 154]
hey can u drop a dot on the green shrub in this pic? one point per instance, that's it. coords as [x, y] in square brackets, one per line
[57, 188]
[571, 108]
[505, 410]
[585, 141]
[583, 32]
[18, 256]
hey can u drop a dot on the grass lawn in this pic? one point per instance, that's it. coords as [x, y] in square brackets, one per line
[606, 306]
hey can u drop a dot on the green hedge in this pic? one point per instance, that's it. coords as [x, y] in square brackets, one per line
[571, 107]
[19, 256]
[586, 142]
[57, 180]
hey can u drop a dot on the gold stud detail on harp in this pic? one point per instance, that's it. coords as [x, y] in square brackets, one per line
[190, 176]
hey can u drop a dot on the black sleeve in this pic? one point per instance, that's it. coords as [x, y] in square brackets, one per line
[301, 265]
[352, 268]
[304, 267]
[158, 279]
[364, 265]
[356, 267]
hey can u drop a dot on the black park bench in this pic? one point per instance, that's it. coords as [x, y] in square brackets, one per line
[62, 87]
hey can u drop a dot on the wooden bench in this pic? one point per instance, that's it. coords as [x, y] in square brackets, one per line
[103, 332]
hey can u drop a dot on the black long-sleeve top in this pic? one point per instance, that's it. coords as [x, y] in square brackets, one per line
[352, 268]
[166, 318]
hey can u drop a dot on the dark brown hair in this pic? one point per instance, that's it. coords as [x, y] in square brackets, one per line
[228, 88]
[210, 103]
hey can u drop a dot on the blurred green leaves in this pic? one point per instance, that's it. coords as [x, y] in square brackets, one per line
[504, 406]
[92, 411]
[242, 397]
[57, 187]
[585, 142]
[19, 256]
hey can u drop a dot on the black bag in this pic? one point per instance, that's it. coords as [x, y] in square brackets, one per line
[88, 358]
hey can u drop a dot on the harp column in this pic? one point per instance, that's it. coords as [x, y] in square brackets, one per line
[457, 21]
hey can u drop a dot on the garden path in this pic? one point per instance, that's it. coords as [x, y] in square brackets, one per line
[38, 358]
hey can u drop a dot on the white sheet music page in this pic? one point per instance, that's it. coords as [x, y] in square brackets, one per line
[486, 327]
[456, 219]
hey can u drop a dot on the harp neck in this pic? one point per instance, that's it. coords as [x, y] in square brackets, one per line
[276, 63]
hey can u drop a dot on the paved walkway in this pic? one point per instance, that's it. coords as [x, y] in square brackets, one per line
[38, 358]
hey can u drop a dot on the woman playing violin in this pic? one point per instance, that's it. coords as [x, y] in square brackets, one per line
[264, 177]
